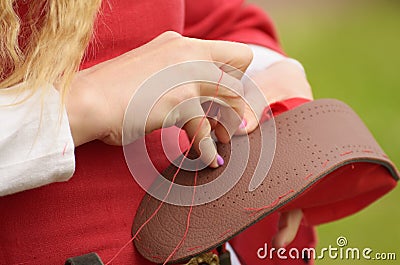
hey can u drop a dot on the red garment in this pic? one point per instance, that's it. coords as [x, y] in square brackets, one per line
[94, 211]
[125, 25]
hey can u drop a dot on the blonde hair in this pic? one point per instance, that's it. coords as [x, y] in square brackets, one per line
[58, 32]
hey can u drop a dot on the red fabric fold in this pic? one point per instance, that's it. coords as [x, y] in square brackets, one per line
[231, 20]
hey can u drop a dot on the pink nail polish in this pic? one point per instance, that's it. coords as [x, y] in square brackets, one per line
[243, 124]
[220, 160]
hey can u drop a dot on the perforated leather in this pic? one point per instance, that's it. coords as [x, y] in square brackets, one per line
[312, 141]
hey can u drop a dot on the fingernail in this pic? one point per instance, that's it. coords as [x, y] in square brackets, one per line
[243, 124]
[220, 160]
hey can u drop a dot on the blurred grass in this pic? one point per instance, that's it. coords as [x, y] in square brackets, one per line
[351, 52]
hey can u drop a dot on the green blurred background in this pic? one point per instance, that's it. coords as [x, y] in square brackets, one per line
[350, 50]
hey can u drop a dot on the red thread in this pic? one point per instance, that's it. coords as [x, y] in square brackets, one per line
[193, 248]
[146, 249]
[308, 176]
[367, 151]
[271, 205]
[173, 178]
[148, 199]
[346, 153]
[157, 257]
[385, 156]
[325, 163]
[65, 148]
[224, 233]
[187, 222]
[141, 212]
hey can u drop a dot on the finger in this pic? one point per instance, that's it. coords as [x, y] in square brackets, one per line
[212, 111]
[213, 123]
[228, 94]
[249, 122]
[237, 55]
[255, 97]
[210, 107]
[289, 224]
[228, 123]
[224, 85]
[198, 129]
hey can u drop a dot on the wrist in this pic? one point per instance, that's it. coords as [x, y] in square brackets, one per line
[82, 107]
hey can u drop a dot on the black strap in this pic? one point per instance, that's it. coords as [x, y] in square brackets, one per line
[225, 258]
[88, 259]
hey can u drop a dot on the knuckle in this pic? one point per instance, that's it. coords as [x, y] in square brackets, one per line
[180, 95]
[169, 35]
[245, 52]
[186, 48]
[248, 54]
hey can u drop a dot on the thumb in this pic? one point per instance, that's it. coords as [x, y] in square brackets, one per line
[289, 224]
[236, 55]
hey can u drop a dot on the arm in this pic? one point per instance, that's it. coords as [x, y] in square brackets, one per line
[36, 149]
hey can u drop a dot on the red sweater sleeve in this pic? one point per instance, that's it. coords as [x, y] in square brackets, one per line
[231, 20]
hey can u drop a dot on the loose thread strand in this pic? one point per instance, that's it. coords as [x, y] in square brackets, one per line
[173, 178]
[187, 222]
[271, 205]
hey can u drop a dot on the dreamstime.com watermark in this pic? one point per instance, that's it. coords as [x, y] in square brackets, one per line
[340, 251]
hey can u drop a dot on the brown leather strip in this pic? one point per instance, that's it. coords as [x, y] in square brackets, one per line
[312, 141]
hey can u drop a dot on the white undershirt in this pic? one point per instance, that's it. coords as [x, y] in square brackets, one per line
[234, 258]
[36, 146]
